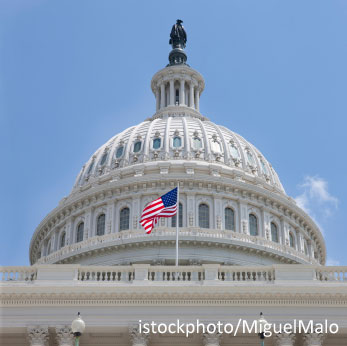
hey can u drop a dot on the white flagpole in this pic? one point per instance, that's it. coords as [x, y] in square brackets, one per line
[177, 221]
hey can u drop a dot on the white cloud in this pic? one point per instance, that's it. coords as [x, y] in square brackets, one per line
[332, 262]
[315, 198]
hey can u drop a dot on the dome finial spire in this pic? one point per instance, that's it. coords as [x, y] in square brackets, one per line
[178, 39]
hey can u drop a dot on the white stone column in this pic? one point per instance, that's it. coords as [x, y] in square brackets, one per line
[211, 339]
[315, 339]
[37, 336]
[157, 98]
[162, 95]
[299, 243]
[88, 225]
[182, 102]
[172, 92]
[197, 98]
[64, 336]
[191, 95]
[137, 338]
[284, 339]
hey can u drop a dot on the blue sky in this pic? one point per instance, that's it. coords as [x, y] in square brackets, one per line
[74, 73]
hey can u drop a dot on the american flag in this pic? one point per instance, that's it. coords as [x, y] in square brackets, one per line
[164, 206]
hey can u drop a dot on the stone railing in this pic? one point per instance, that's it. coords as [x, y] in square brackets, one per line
[18, 273]
[124, 236]
[142, 273]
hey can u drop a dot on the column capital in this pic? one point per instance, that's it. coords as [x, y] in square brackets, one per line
[211, 339]
[37, 335]
[284, 339]
[314, 339]
[64, 336]
[137, 338]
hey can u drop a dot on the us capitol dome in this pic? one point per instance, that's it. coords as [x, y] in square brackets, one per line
[233, 208]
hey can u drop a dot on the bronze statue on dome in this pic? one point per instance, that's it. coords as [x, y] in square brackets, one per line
[178, 36]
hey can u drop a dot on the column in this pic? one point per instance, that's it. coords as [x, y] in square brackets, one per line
[37, 336]
[299, 244]
[157, 98]
[191, 95]
[182, 102]
[284, 339]
[197, 98]
[64, 336]
[172, 92]
[211, 339]
[137, 338]
[88, 225]
[109, 217]
[315, 339]
[162, 95]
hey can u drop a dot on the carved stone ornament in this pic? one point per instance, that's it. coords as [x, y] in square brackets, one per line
[137, 338]
[315, 339]
[37, 336]
[284, 339]
[64, 336]
[211, 339]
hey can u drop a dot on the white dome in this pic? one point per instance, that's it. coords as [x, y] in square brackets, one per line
[232, 206]
[181, 138]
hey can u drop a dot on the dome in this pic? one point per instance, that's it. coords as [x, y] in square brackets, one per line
[232, 206]
[176, 138]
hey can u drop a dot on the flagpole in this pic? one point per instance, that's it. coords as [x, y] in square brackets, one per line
[177, 221]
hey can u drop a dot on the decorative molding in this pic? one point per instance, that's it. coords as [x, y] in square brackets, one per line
[64, 336]
[284, 339]
[38, 335]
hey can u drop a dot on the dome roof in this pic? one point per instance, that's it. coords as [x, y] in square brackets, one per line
[180, 137]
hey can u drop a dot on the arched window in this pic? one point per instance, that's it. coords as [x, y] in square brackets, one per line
[234, 152]
[253, 224]
[62, 239]
[305, 247]
[204, 216]
[156, 143]
[137, 146]
[103, 159]
[180, 217]
[80, 231]
[177, 142]
[291, 240]
[274, 233]
[49, 248]
[197, 143]
[124, 217]
[90, 168]
[229, 219]
[119, 152]
[100, 225]
[177, 99]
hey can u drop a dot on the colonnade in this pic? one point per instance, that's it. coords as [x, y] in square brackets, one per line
[39, 336]
[177, 91]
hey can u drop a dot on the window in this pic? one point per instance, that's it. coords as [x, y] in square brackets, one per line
[49, 248]
[124, 219]
[253, 225]
[62, 240]
[263, 166]
[250, 158]
[119, 152]
[204, 216]
[177, 142]
[215, 146]
[80, 231]
[100, 225]
[90, 167]
[234, 151]
[103, 159]
[180, 217]
[291, 240]
[156, 143]
[229, 219]
[274, 233]
[197, 143]
[177, 101]
[305, 247]
[137, 147]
